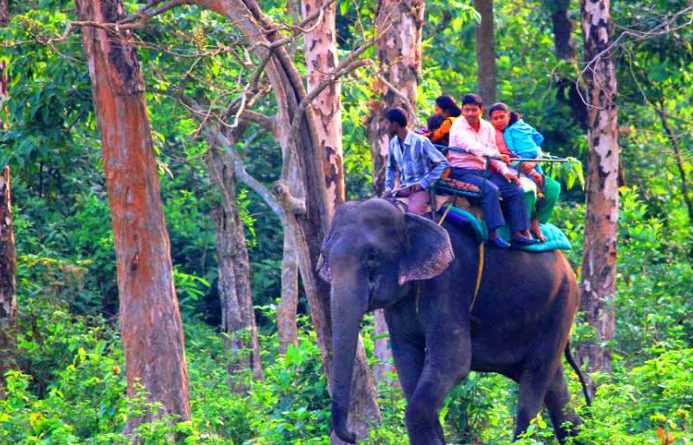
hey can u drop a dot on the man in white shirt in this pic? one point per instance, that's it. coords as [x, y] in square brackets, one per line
[477, 138]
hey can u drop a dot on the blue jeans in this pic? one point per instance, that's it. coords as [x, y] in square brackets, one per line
[494, 186]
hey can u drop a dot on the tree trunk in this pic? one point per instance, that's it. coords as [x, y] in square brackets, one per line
[399, 56]
[8, 270]
[602, 206]
[150, 321]
[237, 315]
[306, 218]
[321, 59]
[563, 28]
[486, 52]
[565, 77]
[288, 305]
[399, 59]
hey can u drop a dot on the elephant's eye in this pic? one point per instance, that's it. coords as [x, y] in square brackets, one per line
[371, 259]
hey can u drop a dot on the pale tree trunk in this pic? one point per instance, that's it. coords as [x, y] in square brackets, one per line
[296, 130]
[150, 321]
[233, 265]
[399, 56]
[288, 305]
[486, 52]
[8, 270]
[400, 25]
[321, 59]
[602, 206]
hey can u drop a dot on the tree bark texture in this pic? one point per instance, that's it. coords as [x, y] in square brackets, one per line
[321, 59]
[602, 205]
[288, 305]
[486, 52]
[400, 25]
[235, 294]
[150, 321]
[8, 271]
[307, 221]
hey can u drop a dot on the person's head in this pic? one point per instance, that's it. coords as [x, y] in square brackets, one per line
[446, 106]
[435, 121]
[472, 107]
[499, 114]
[514, 117]
[397, 120]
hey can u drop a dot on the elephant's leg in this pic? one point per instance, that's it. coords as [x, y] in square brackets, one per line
[408, 354]
[447, 362]
[533, 386]
[557, 402]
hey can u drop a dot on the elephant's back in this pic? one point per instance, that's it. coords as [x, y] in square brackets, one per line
[524, 297]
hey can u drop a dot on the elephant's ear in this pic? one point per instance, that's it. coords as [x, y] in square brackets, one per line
[428, 252]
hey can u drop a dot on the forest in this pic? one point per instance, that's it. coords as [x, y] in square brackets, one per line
[169, 170]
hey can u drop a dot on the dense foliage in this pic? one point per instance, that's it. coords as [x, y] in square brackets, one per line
[70, 387]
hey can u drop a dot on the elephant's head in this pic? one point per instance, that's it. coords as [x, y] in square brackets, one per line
[370, 252]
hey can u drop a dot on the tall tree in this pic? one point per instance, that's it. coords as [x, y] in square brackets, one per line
[8, 270]
[400, 27]
[486, 51]
[150, 321]
[295, 128]
[321, 59]
[235, 294]
[602, 205]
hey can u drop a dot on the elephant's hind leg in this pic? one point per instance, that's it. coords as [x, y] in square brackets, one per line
[564, 419]
[534, 384]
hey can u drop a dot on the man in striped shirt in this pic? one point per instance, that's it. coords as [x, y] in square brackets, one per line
[418, 162]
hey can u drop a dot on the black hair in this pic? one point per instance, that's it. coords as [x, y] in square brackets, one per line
[398, 115]
[514, 117]
[498, 106]
[472, 99]
[447, 103]
[435, 121]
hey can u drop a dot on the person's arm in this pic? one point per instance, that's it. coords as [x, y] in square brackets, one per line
[391, 169]
[439, 162]
[438, 135]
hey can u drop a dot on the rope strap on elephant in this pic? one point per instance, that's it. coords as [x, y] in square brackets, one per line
[479, 270]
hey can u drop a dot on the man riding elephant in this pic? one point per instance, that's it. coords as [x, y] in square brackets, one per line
[418, 162]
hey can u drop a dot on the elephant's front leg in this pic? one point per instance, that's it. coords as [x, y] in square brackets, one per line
[448, 360]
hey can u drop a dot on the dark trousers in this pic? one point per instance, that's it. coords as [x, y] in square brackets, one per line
[494, 186]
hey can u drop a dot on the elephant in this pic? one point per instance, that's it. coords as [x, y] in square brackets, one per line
[424, 277]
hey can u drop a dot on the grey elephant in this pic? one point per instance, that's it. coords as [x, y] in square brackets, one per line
[375, 256]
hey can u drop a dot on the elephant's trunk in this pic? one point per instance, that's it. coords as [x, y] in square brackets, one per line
[348, 304]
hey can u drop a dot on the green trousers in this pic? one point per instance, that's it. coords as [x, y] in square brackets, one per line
[543, 208]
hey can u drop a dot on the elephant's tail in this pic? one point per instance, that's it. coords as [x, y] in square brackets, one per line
[575, 367]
